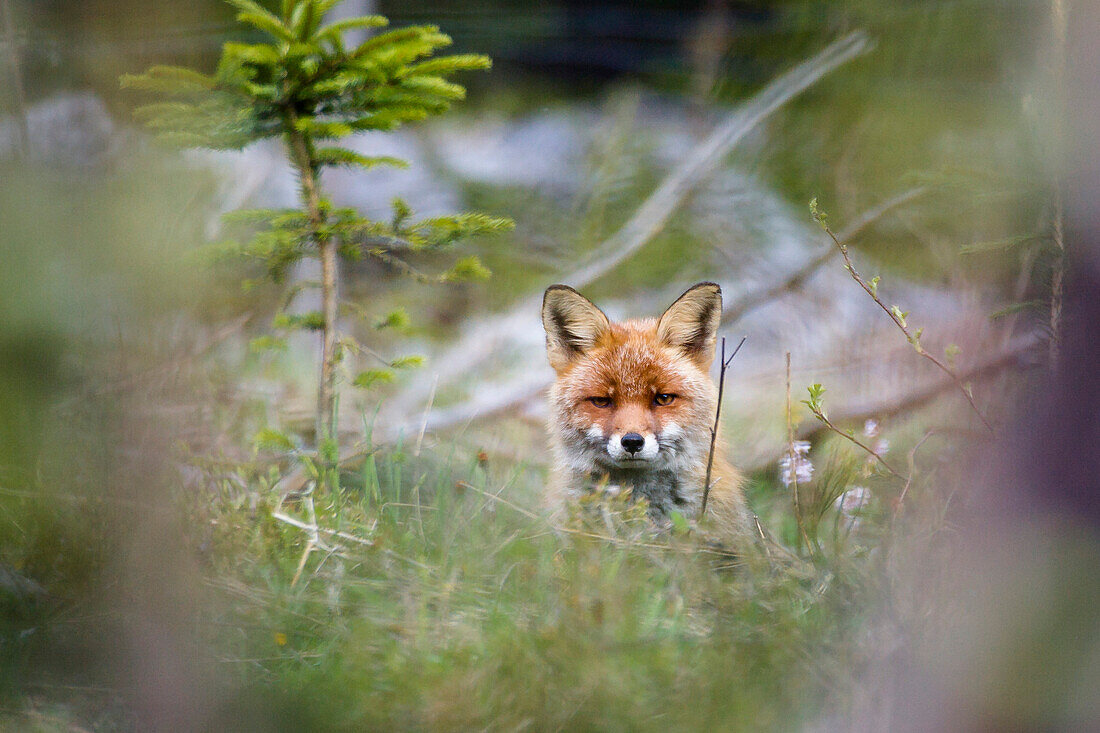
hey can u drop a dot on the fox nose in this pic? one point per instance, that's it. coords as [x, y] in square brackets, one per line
[632, 443]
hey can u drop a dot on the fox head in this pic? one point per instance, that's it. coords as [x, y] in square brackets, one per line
[635, 395]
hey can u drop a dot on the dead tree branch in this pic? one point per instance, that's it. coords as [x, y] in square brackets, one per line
[477, 345]
[514, 393]
[915, 399]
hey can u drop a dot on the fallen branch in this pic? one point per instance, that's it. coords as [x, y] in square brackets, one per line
[518, 391]
[477, 345]
[882, 409]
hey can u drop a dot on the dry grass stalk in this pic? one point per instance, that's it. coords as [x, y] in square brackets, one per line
[717, 414]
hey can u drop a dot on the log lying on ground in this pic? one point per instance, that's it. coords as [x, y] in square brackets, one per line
[512, 393]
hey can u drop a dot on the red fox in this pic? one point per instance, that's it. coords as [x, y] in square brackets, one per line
[633, 405]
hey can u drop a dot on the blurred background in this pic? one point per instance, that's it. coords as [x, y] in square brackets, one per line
[640, 147]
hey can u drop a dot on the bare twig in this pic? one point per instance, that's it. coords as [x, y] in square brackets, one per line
[912, 472]
[792, 473]
[310, 527]
[717, 414]
[820, 415]
[286, 518]
[896, 315]
[1058, 12]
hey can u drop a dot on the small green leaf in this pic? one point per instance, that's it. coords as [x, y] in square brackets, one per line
[271, 439]
[266, 343]
[397, 319]
[898, 314]
[311, 321]
[679, 523]
[818, 215]
[371, 377]
[874, 285]
[407, 362]
[467, 268]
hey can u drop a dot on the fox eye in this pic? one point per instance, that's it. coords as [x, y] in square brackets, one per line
[600, 401]
[664, 399]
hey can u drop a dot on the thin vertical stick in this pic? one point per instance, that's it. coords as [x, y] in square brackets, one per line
[717, 414]
[16, 80]
[1058, 13]
[427, 414]
[792, 463]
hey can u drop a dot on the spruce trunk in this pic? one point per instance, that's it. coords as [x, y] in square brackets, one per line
[301, 150]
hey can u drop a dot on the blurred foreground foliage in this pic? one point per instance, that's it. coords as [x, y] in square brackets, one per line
[136, 505]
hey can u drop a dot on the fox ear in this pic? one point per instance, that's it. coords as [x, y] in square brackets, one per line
[573, 324]
[691, 323]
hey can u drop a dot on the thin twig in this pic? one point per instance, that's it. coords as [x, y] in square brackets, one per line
[912, 472]
[791, 466]
[323, 530]
[717, 414]
[897, 317]
[1058, 12]
[848, 436]
[403, 267]
[424, 422]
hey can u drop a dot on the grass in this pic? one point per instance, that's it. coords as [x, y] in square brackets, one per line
[470, 610]
[461, 611]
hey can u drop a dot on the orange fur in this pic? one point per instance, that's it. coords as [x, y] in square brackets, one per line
[630, 368]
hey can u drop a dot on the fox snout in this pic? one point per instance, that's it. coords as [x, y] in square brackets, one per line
[633, 446]
[632, 443]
